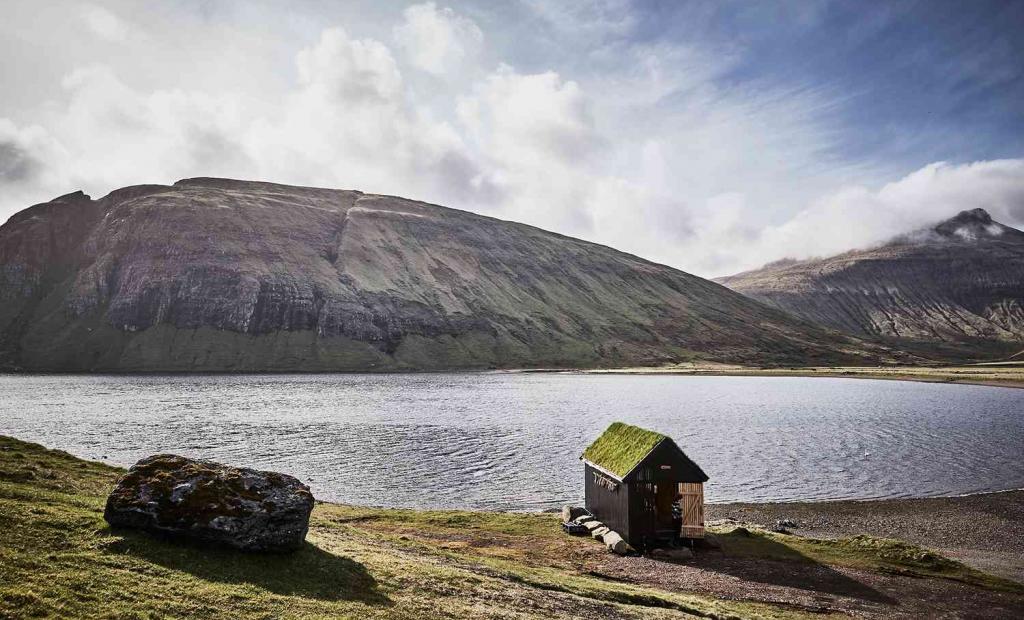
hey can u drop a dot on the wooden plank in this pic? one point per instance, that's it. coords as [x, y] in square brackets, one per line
[692, 504]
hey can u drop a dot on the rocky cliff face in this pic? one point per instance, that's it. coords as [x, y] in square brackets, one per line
[215, 274]
[957, 287]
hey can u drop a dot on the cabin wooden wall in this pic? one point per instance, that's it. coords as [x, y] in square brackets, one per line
[666, 464]
[663, 467]
[610, 506]
[641, 514]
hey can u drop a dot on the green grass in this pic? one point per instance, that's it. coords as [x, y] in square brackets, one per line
[621, 447]
[58, 559]
[510, 523]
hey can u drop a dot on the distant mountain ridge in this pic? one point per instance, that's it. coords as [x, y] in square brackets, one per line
[958, 285]
[225, 275]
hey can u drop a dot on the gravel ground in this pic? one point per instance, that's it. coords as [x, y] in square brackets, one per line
[814, 587]
[985, 531]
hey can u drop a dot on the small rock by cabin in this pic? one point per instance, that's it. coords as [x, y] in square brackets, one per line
[641, 485]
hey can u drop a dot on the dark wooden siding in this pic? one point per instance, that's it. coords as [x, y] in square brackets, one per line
[641, 514]
[610, 506]
[666, 463]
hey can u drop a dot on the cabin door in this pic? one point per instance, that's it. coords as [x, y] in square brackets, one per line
[691, 506]
[665, 496]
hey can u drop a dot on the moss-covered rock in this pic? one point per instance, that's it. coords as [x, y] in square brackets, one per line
[201, 500]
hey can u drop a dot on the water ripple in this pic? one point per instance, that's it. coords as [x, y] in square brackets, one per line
[509, 441]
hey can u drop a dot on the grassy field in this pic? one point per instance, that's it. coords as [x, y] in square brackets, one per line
[58, 558]
[1009, 374]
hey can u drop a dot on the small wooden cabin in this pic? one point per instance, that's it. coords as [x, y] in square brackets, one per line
[640, 484]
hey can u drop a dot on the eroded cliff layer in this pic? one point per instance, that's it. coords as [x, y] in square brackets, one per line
[957, 286]
[223, 275]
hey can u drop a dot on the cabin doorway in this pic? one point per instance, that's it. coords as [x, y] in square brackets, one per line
[664, 498]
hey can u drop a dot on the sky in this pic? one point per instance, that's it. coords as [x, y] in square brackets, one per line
[710, 136]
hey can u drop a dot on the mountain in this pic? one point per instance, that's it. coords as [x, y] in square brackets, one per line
[224, 275]
[956, 288]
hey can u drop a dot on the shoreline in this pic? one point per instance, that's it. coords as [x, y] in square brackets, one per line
[988, 376]
[785, 502]
[993, 374]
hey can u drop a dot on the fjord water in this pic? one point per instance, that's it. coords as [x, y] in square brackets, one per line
[512, 441]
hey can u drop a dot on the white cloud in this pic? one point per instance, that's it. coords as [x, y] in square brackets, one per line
[859, 217]
[30, 158]
[435, 40]
[347, 123]
[350, 71]
[517, 117]
[117, 135]
[106, 24]
[591, 19]
[641, 146]
[536, 138]
[350, 124]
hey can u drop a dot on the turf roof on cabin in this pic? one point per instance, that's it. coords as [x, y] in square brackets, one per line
[621, 447]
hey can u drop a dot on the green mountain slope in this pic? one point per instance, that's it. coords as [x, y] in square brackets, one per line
[222, 275]
[953, 290]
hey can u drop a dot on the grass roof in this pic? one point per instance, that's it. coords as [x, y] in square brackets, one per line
[621, 447]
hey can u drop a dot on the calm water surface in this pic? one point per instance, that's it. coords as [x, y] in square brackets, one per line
[512, 441]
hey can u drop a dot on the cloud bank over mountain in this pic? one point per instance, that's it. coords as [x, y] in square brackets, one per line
[578, 117]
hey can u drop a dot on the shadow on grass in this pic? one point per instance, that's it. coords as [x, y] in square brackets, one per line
[309, 572]
[751, 557]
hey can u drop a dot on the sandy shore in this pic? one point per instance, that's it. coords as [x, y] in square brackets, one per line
[985, 531]
[1000, 375]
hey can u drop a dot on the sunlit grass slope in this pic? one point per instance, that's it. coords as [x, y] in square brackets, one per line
[58, 558]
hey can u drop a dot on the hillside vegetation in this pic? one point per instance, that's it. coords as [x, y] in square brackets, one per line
[221, 275]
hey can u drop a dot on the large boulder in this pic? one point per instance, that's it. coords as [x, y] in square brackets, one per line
[205, 501]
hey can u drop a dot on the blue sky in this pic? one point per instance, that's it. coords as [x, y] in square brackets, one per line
[913, 82]
[712, 136]
[935, 80]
